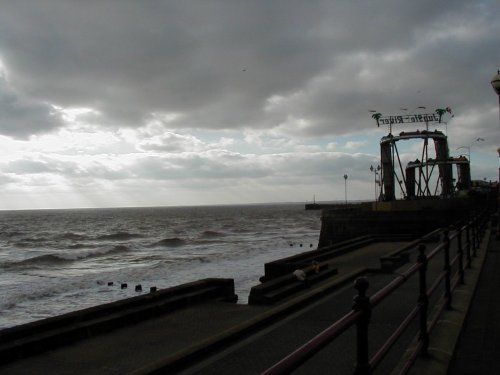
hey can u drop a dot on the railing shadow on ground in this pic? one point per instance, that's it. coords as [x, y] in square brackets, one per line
[465, 238]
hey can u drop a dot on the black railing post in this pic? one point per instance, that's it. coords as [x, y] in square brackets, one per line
[475, 237]
[362, 304]
[482, 224]
[460, 252]
[423, 300]
[467, 233]
[481, 227]
[447, 281]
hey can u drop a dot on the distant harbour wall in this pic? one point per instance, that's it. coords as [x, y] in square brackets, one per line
[413, 218]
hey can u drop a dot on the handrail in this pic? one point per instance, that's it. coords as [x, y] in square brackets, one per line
[363, 305]
[300, 355]
[384, 349]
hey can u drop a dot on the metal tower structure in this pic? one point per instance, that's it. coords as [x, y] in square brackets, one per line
[430, 175]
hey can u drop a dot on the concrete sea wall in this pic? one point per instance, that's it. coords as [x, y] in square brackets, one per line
[412, 218]
[35, 337]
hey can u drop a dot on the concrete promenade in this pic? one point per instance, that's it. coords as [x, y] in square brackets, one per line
[455, 348]
[478, 349]
[225, 338]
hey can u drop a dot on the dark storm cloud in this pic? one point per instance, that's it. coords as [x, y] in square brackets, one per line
[128, 59]
[218, 61]
[21, 117]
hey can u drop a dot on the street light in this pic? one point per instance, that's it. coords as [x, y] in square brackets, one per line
[345, 187]
[375, 173]
[495, 83]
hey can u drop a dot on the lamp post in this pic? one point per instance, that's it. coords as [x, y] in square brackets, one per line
[345, 187]
[495, 83]
[375, 173]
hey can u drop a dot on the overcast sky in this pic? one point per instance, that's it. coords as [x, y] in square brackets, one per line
[147, 103]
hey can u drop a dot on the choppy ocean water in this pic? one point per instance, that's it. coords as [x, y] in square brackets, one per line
[57, 261]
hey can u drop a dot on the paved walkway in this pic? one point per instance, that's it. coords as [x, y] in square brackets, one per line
[457, 342]
[478, 350]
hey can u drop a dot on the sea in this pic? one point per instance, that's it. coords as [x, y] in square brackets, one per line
[57, 261]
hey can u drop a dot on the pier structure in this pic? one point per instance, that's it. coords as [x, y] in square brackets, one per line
[434, 187]
[415, 181]
[419, 178]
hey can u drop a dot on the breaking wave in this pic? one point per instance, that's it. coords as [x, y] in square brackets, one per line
[48, 260]
[170, 242]
[211, 234]
[119, 236]
[72, 236]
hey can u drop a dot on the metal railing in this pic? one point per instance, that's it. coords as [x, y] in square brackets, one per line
[467, 240]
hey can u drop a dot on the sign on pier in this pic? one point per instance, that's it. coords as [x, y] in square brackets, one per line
[408, 119]
[411, 119]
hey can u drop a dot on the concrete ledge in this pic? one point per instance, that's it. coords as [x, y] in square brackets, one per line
[287, 265]
[279, 288]
[395, 259]
[35, 337]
